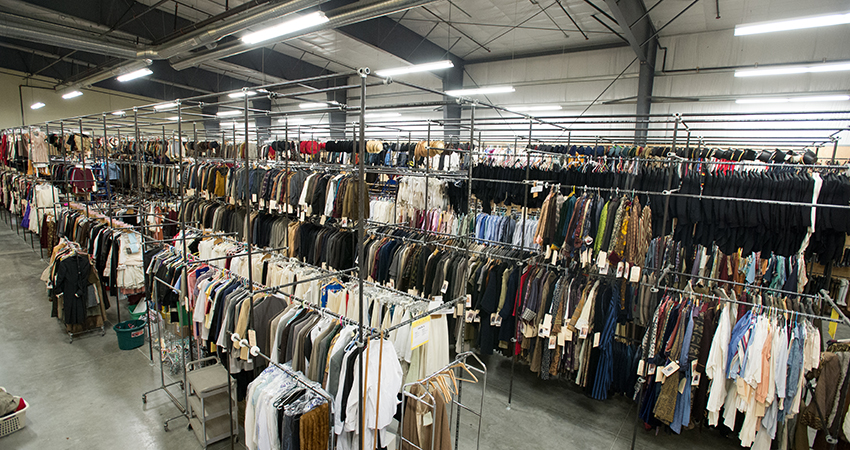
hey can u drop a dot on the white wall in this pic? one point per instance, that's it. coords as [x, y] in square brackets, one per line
[93, 101]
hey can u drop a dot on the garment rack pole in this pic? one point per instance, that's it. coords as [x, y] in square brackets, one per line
[361, 248]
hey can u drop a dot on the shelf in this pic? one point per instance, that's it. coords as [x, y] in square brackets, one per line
[216, 406]
[207, 380]
[217, 429]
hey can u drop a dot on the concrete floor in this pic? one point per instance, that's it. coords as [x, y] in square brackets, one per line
[88, 394]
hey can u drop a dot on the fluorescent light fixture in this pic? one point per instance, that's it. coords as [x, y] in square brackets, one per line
[133, 75]
[313, 105]
[229, 112]
[72, 94]
[438, 65]
[242, 94]
[238, 125]
[37, 105]
[382, 115]
[480, 91]
[118, 113]
[162, 106]
[792, 24]
[288, 27]
[795, 69]
[811, 99]
[173, 118]
[535, 108]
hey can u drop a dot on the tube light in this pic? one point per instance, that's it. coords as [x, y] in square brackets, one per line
[133, 75]
[173, 118]
[72, 94]
[796, 69]
[480, 91]
[162, 106]
[792, 24]
[242, 94]
[438, 65]
[238, 125]
[118, 113]
[37, 105]
[818, 98]
[313, 105]
[536, 108]
[230, 112]
[382, 115]
[288, 27]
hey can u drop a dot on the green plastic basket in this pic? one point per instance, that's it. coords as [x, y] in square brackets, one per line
[136, 315]
[131, 334]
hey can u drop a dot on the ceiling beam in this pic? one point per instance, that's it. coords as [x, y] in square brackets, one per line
[550, 52]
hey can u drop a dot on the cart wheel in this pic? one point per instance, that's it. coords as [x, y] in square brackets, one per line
[166, 426]
[71, 340]
[189, 427]
[145, 399]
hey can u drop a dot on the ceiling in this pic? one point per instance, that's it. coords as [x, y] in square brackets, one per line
[468, 32]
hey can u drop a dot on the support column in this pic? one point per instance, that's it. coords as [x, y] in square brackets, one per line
[644, 96]
[452, 79]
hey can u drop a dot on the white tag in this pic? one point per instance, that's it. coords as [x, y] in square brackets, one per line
[445, 286]
[458, 310]
[604, 270]
[303, 216]
[670, 368]
[369, 279]
[583, 333]
[323, 220]
[438, 299]
[695, 379]
[553, 342]
[555, 258]
[548, 252]
[469, 316]
[468, 301]
[427, 419]
[345, 221]
[602, 260]
[413, 291]
[252, 338]
[634, 276]
[659, 377]
[682, 383]
[537, 188]
[568, 335]
[651, 370]
[641, 366]
[324, 266]
[477, 317]
[493, 319]
[545, 326]
[620, 268]
[231, 200]
[288, 208]
[190, 192]
[497, 320]
[419, 332]
[272, 204]
[562, 337]
[391, 283]
[254, 198]
[596, 337]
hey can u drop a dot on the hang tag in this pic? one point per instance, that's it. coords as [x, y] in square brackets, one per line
[231, 200]
[468, 301]
[634, 276]
[583, 333]
[670, 368]
[272, 204]
[477, 317]
[419, 331]
[413, 291]
[493, 319]
[288, 208]
[545, 326]
[252, 338]
[694, 366]
[554, 258]
[458, 310]
[596, 337]
[391, 283]
[438, 298]
[603, 271]
[602, 260]
[303, 216]
[345, 221]
[641, 367]
[323, 219]
[528, 330]
[427, 419]
[537, 188]
[568, 335]
[369, 279]
[445, 286]
[497, 320]
[553, 342]
[254, 198]
[562, 337]
[262, 203]
[651, 370]
[324, 266]
[548, 252]
[659, 376]
[695, 379]
[682, 383]
[470, 316]
[621, 266]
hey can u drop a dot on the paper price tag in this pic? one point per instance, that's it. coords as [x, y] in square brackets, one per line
[634, 276]
[438, 298]
[596, 337]
[568, 335]
[670, 368]
[252, 338]
[659, 377]
[651, 370]
[470, 316]
[493, 319]
[262, 203]
[553, 342]
[621, 267]
[682, 383]
[548, 252]
[323, 219]
[468, 301]
[603, 270]
[427, 419]
[413, 291]
[641, 366]
[583, 333]
[289, 208]
[231, 200]
[445, 286]
[554, 258]
[419, 331]
[562, 337]
[303, 216]
[602, 260]
[458, 310]
[391, 284]
[477, 317]
[695, 379]
[545, 326]
[190, 192]
[254, 198]
[272, 204]
[369, 279]
[497, 320]
[325, 266]
[537, 188]
[345, 221]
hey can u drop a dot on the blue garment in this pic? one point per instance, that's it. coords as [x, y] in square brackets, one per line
[735, 362]
[795, 365]
[682, 415]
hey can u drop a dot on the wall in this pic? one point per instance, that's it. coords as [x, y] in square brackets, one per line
[93, 101]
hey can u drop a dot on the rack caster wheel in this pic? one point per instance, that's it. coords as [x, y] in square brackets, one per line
[166, 426]
[189, 427]
[145, 399]
[70, 340]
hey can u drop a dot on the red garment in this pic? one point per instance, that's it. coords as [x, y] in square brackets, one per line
[81, 180]
[310, 147]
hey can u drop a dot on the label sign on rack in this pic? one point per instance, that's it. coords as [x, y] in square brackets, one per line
[419, 332]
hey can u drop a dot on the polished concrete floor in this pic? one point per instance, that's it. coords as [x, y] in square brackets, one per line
[87, 394]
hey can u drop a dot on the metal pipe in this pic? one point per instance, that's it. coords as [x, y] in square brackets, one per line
[361, 239]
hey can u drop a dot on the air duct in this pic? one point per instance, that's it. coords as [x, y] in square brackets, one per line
[339, 17]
